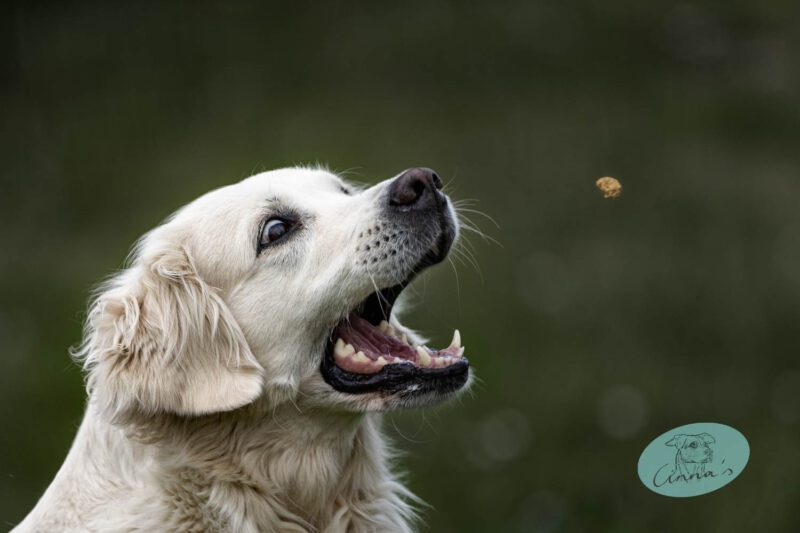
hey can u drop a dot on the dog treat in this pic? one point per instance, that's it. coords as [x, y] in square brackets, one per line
[610, 187]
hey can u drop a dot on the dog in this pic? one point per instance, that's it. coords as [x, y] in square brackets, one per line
[237, 369]
[694, 453]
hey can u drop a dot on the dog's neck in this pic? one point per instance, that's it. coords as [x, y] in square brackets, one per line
[311, 464]
[687, 468]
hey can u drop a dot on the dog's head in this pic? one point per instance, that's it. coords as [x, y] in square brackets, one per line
[280, 287]
[693, 448]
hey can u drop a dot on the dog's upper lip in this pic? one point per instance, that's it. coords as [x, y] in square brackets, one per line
[378, 305]
[444, 242]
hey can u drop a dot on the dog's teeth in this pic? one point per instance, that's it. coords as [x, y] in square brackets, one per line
[456, 342]
[443, 360]
[388, 329]
[382, 361]
[424, 356]
[460, 352]
[360, 357]
[341, 349]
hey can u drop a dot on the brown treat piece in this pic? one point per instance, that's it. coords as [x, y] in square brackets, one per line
[611, 187]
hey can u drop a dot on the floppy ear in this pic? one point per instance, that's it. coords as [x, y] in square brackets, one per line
[159, 339]
[677, 441]
[707, 438]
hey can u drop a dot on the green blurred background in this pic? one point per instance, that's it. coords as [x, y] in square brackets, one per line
[594, 326]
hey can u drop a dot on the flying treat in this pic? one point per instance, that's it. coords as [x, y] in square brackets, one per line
[610, 187]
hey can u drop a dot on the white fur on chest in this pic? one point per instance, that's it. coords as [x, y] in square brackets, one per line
[226, 475]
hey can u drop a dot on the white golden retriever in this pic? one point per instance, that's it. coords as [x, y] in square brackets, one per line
[237, 369]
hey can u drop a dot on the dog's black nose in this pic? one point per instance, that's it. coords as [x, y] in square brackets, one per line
[416, 188]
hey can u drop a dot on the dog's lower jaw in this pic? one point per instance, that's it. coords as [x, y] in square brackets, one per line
[238, 471]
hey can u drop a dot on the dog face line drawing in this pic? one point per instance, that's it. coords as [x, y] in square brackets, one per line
[693, 453]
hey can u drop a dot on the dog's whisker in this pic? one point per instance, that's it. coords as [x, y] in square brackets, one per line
[458, 281]
[466, 257]
[351, 171]
[470, 256]
[378, 292]
[481, 213]
[468, 223]
[486, 238]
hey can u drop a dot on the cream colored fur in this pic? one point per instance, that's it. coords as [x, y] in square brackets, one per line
[206, 408]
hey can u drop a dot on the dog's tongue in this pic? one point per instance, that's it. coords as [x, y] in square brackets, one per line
[365, 349]
[372, 340]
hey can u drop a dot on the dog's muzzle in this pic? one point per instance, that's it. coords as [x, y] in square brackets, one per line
[365, 353]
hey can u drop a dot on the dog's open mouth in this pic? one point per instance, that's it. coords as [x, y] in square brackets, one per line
[362, 348]
[365, 353]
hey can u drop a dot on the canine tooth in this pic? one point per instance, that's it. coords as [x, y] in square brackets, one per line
[360, 357]
[388, 329]
[456, 342]
[382, 361]
[424, 356]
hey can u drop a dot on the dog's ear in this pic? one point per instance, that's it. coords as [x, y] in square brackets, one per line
[677, 441]
[159, 339]
[707, 438]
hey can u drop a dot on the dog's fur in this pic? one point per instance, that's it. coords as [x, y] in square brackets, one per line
[206, 408]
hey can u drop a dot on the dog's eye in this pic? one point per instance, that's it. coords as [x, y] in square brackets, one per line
[693, 445]
[274, 230]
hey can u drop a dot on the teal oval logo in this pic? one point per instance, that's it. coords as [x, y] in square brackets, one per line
[693, 459]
